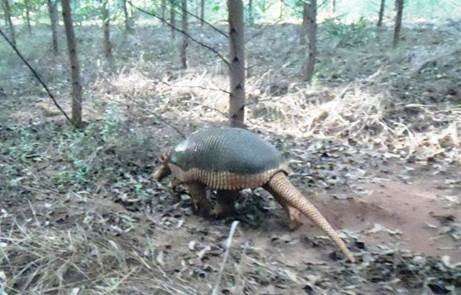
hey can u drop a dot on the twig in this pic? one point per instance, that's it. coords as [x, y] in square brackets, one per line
[216, 52]
[201, 19]
[37, 76]
[226, 255]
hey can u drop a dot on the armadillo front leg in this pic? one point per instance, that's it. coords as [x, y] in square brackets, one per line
[197, 192]
[294, 215]
[225, 203]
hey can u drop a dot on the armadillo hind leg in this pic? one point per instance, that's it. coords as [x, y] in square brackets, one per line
[294, 215]
[280, 184]
[200, 203]
[225, 202]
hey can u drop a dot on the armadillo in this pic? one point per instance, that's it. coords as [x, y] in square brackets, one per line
[231, 159]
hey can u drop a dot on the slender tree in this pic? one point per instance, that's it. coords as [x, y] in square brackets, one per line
[173, 18]
[184, 37]
[74, 64]
[163, 10]
[202, 12]
[237, 63]
[381, 13]
[127, 20]
[333, 7]
[398, 21]
[27, 6]
[250, 13]
[9, 21]
[312, 37]
[304, 25]
[53, 13]
[106, 31]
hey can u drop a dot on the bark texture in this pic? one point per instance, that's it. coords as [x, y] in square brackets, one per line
[127, 20]
[202, 12]
[163, 10]
[53, 13]
[27, 5]
[250, 13]
[74, 64]
[173, 18]
[398, 21]
[106, 31]
[8, 20]
[312, 38]
[237, 63]
[333, 7]
[381, 13]
[185, 28]
[304, 25]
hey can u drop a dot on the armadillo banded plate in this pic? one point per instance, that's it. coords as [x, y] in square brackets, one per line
[232, 150]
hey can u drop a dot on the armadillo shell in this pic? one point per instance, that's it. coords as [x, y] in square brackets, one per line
[226, 158]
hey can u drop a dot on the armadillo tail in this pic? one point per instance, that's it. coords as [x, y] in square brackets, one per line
[283, 187]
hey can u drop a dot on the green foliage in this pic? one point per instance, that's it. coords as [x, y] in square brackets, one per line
[348, 35]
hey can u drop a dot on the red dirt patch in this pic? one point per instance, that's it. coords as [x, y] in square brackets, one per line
[414, 210]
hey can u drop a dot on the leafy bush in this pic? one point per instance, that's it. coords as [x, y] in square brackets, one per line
[348, 35]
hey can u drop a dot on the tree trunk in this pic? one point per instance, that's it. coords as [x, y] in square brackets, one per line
[74, 64]
[106, 32]
[127, 20]
[237, 63]
[184, 37]
[312, 37]
[202, 12]
[398, 21]
[250, 13]
[173, 19]
[27, 4]
[304, 25]
[7, 10]
[333, 7]
[162, 10]
[381, 13]
[53, 12]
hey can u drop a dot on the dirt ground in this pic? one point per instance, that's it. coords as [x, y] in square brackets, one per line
[374, 143]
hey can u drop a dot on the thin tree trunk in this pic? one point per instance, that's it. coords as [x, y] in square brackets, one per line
[173, 19]
[27, 4]
[7, 10]
[250, 13]
[53, 12]
[333, 7]
[184, 37]
[106, 32]
[74, 64]
[202, 12]
[128, 27]
[237, 63]
[312, 37]
[381, 13]
[303, 31]
[163, 9]
[282, 9]
[398, 21]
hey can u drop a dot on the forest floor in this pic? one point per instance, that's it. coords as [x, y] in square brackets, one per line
[375, 142]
